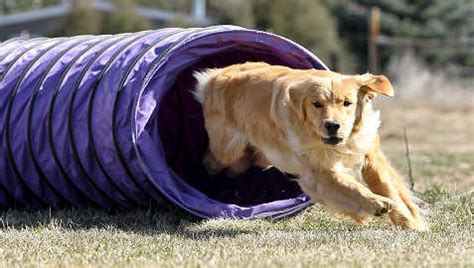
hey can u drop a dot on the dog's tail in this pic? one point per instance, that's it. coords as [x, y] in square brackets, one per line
[202, 78]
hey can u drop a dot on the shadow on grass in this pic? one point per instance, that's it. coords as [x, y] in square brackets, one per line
[142, 222]
[172, 221]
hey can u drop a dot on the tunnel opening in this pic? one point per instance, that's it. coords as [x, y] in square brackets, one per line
[173, 129]
[185, 141]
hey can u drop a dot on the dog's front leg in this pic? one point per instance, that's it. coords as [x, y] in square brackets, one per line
[382, 179]
[342, 193]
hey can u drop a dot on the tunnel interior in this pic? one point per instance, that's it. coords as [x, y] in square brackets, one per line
[180, 125]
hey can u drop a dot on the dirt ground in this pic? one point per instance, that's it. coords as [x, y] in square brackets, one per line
[440, 137]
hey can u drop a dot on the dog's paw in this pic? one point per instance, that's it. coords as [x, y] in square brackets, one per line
[408, 223]
[405, 220]
[239, 167]
[380, 205]
[213, 167]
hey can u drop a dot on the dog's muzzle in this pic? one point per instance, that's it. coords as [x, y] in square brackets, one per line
[332, 140]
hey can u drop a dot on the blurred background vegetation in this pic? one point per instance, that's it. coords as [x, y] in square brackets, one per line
[439, 32]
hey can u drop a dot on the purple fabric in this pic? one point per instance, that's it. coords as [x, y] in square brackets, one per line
[109, 121]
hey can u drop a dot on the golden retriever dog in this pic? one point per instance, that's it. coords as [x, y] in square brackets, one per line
[318, 125]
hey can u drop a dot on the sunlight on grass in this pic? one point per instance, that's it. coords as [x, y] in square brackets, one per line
[313, 237]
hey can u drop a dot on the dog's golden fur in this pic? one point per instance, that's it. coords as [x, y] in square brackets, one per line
[267, 115]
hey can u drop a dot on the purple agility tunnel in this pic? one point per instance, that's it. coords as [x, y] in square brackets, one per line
[110, 122]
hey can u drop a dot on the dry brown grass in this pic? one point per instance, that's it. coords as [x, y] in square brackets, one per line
[438, 112]
[311, 239]
[441, 143]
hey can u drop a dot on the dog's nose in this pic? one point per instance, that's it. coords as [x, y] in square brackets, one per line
[331, 127]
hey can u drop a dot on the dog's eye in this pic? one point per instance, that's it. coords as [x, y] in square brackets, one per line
[346, 103]
[318, 104]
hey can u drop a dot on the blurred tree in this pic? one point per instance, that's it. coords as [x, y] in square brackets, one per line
[124, 18]
[411, 18]
[236, 12]
[308, 23]
[82, 20]
[9, 6]
[181, 6]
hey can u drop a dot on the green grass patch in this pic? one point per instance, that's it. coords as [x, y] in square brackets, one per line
[312, 238]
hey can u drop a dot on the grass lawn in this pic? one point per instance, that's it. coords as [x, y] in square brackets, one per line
[443, 167]
[314, 237]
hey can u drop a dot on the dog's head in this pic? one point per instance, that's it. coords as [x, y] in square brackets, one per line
[331, 105]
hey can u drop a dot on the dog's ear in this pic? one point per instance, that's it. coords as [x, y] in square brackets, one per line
[370, 83]
[369, 86]
[293, 97]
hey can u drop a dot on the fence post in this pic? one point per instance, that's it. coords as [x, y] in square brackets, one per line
[374, 33]
[199, 10]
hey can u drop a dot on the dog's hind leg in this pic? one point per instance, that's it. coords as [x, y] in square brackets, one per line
[227, 148]
[251, 157]
[382, 179]
[213, 166]
[241, 164]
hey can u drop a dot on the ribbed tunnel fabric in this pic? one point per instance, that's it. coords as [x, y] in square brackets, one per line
[110, 122]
